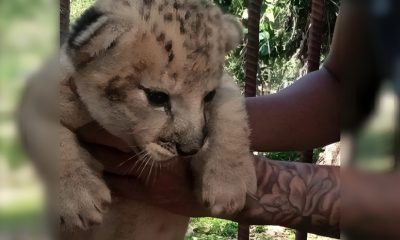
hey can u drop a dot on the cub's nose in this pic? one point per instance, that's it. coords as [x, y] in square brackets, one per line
[192, 147]
[187, 151]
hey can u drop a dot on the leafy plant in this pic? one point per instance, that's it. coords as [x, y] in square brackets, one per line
[211, 228]
[284, 27]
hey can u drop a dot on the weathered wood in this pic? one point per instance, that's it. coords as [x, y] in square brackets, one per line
[253, 42]
[64, 19]
[313, 60]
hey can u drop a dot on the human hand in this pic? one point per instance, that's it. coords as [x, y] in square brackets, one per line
[169, 187]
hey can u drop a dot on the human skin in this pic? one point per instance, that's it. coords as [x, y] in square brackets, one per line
[317, 199]
[295, 195]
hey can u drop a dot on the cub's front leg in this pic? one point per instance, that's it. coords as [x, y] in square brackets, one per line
[82, 195]
[224, 170]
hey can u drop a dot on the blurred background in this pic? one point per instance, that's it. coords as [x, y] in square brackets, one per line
[28, 35]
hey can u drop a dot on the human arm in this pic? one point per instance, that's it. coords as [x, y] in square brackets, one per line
[286, 192]
[302, 116]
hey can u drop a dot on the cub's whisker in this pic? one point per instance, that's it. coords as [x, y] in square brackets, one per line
[150, 172]
[141, 158]
[130, 158]
[143, 166]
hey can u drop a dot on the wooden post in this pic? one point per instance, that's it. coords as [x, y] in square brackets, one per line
[64, 19]
[253, 42]
[313, 59]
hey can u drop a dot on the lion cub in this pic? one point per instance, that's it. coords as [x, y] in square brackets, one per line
[150, 72]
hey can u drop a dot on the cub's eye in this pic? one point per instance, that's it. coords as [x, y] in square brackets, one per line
[209, 97]
[157, 98]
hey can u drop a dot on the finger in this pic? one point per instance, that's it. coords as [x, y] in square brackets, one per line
[126, 186]
[170, 193]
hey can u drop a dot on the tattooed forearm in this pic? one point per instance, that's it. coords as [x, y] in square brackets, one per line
[296, 195]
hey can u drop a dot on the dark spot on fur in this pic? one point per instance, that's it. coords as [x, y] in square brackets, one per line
[177, 5]
[174, 75]
[196, 26]
[132, 79]
[181, 25]
[168, 46]
[171, 56]
[168, 17]
[141, 11]
[160, 8]
[147, 17]
[112, 45]
[187, 15]
[161, 37]
[115, 90]
[81, 60]
[148, 2]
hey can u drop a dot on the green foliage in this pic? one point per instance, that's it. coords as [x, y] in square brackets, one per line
[286, 156]
[284, 26]
[211, 228]
[259, 229]
[291, 156]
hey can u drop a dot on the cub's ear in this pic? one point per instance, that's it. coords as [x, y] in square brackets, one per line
[93, 33]
[233, 31]
[87, 25]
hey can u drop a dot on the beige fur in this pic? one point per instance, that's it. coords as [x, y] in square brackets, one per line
[132, 49]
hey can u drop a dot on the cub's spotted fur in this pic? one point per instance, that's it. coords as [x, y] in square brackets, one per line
[151, 73]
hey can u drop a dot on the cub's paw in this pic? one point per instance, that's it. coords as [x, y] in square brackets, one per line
[223, 194]
[83, 198]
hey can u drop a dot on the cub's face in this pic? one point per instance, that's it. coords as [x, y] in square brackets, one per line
[148, 72]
